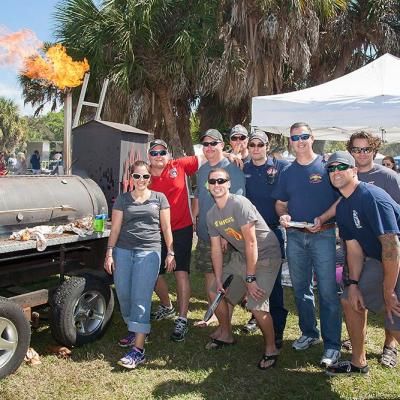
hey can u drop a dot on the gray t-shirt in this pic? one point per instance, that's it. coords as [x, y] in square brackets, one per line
[385, 178]
[227, 222]
[141, 221]
[206, 201]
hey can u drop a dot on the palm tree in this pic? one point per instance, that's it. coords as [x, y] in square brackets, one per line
[12, 126]
[152, 51]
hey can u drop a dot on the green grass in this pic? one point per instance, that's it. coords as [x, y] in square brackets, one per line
[187, 371]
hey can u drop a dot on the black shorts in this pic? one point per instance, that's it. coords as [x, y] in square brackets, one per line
[183, 239]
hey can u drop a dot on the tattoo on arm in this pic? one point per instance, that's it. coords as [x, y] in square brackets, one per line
[390, 247]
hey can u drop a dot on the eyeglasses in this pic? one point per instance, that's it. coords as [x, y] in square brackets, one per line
[235, 138]
[303, 136]
[220, 181]
[338, 167]
[138, 176]
[387, 165]
[259, 145]
[364, 150]
[155, 153]
[213, 144]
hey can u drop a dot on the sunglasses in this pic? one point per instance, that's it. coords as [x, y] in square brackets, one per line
[303, 136]
[155, 153]
[387, 165]
[259, 145]
[220, 181]
[213, 144]
[338, 167]
[236, 138]
[138, 176]
[364, 150]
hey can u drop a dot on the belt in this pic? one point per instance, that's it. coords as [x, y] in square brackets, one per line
[323, 228]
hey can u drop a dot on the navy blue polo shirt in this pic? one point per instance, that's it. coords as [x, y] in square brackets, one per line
[368, 213]
[307, 189]
[261, 180]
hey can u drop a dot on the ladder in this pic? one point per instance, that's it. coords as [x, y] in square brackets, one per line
[82, 102]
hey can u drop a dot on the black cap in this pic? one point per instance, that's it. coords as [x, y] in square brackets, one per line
[212, 133]
[157, 142]
[238, 130]
[342, 157]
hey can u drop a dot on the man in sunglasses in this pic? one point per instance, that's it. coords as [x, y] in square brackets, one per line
[238, 139]
[213, 146]
[303, 195]
[169, 177]
[364, 146]
[254, 265]
[262, 174]
[369, 223]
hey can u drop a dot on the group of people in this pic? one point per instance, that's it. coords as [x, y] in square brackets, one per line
[245, 203]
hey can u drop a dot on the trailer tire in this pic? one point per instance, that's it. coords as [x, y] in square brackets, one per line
[81, 309]
[15, 336]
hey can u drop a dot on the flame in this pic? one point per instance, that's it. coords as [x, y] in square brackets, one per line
[56, 67]
[15, 47]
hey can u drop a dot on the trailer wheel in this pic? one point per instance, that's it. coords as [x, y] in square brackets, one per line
[15, 336]
[81, 308]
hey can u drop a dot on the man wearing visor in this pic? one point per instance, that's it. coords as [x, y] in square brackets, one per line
[368, 220]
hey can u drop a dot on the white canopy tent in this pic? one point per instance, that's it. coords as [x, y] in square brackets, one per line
[368, 99]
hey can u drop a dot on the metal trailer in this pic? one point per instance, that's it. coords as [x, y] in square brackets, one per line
[79, 295]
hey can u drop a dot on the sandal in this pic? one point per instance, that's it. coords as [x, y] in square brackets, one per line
[389, 356]
[273, 358]
[215, 344]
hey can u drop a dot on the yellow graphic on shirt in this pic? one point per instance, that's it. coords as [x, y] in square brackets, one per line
[233, 233]
[225, 221]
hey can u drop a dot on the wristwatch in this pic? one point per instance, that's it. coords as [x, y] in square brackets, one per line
[349, 282]
[250, 278]
[171, 253]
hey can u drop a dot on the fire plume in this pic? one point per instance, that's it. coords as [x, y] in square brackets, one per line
[56, 67]
[16, 46]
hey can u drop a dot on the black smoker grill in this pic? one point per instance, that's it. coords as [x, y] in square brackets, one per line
[80, 298]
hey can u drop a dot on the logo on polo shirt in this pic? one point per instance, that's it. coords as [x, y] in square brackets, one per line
[173, 173]
[356, 220]
[315, 178]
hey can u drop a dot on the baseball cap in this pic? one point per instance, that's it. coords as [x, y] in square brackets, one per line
[212, 133]
[342, 157]
[262, 136]
[157, 142]
[238, 130]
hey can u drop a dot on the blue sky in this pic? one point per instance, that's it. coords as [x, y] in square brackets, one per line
[15, 15]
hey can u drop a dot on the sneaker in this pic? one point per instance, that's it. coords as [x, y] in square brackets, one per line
[132, 358]
[330, 357]
[304, 342]
[163, 312]
[180, 330]
[346, 367]
[128, 340]
[251, 326]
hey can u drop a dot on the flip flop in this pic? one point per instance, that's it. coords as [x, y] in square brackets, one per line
[215, 344]
[266, 358]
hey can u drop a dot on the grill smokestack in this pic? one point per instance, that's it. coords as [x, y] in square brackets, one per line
[67, 132]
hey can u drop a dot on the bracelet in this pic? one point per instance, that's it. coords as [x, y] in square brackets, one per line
[171, 253]
[349, 282]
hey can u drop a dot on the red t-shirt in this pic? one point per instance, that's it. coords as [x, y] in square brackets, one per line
[172, 182]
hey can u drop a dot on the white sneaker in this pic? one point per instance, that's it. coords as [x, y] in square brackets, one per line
[330, 357]
[304, 342]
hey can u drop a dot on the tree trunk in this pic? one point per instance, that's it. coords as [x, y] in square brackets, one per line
[183, 124]
[170, 121]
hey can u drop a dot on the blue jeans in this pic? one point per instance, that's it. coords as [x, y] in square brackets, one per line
[276, 306]
[308, 252]
[135, 275]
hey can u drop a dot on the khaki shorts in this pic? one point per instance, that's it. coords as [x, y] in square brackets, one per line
[266, 273]
[202, 256]
[371, 287]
